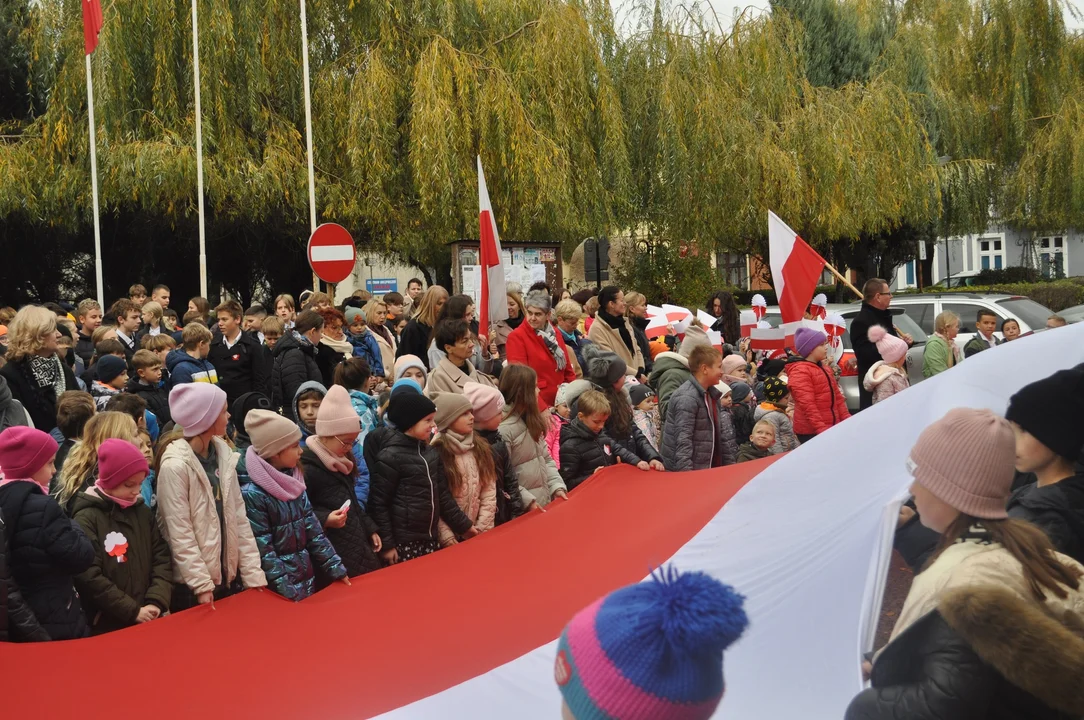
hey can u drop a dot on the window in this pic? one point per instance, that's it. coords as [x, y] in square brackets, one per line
[968, 315]
[991, 254]
[1052, 257]
[734, 269]
[911, 273]
[921, 313]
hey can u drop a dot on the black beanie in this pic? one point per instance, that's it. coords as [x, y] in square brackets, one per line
[242, 406]
[407, 408]
[1050, 409]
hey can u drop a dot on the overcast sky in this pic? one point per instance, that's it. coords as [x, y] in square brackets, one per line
[728, 10]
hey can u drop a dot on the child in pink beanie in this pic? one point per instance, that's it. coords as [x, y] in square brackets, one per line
[131, 580]
[650, 651]
[45, 547]
[200, 510]
[888, 375]
[487, 403]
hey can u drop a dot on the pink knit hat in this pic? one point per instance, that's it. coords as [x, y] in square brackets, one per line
[732, 363]
[967, 459]
[486, 401]
[196, 406]
[891, 348]
[119, 460]
[271, 433]
[24, 451]
[336, 415]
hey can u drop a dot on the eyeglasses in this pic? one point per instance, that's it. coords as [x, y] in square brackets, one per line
[342, 443]
[885, 293]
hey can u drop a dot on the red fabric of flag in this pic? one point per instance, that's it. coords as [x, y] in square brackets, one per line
[92, 24]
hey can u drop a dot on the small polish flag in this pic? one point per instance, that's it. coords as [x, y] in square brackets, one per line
[760, 306]
[493, 306]
[656, 326]
[715, 338]
[706, 318]
[767, 338]
[748, 320]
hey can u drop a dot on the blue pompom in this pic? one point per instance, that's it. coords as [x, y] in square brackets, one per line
[695, 612]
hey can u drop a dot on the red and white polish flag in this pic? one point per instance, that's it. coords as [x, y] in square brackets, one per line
[494, 303]
[748, 321]
[92, 24]
[796, 267]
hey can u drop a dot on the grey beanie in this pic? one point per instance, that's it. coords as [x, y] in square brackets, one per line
[694, 337]
[602, 367]
[568, 393]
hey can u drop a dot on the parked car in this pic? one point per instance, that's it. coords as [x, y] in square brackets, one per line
[924, 308]
[965, 278]
[1074, 314]
[849, 380]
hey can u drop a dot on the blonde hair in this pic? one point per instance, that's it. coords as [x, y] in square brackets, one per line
[287, 300]
[427, 308]
[194, 334]
[28, 330]
[945, 320]
[83, 458]
[154, 309]
[631, 299]
[569, 310]
[371, 308]
[272, 324]
[766, 423]
[591, 306]
[591, 402]
[518, 300]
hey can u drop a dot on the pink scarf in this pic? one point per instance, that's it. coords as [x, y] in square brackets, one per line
[8, 481]
[103, 494]
[332, 463]
[274, 482]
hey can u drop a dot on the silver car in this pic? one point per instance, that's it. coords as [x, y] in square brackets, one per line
[923, 309]
[849, 380]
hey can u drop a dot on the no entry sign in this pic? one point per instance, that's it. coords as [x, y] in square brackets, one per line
[331, 253]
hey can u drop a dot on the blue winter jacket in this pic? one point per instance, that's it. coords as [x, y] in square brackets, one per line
[366, 407]
[292, 544]
[365, 347]
[183, 368]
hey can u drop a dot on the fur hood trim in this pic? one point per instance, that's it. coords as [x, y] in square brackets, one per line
[1038, 653]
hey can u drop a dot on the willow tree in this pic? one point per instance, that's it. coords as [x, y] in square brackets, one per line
[405, 95]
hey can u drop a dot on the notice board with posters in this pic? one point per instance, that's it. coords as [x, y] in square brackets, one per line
[524, 264]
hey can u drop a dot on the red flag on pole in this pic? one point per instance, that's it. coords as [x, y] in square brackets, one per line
[92, 24]
[493, 305]
[796, 267]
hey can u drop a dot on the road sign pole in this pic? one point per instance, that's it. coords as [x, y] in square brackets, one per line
[598, 264]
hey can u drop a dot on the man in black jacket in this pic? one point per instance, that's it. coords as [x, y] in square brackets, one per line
[237, 356]
[1049, 439]
[295, 361]
[876, 297]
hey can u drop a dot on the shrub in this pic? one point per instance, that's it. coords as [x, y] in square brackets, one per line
[1056, 295]
[1003, 276]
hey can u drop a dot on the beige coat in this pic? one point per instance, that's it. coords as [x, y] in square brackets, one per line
[608, 338]
[480, 505]
[189, 521]
[538, 476]
[387, 352]
[971, 564]
[446, 377]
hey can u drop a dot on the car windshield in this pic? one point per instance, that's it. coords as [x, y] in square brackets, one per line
[1028, 310]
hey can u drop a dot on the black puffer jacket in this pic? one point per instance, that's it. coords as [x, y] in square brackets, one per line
[1058, 509]
[156, 397]
[509, 502]
[632, 440]
[409, 494]
[327, 492]
[639, 330]
[984, 653]
[295, 363]
[39, 402]
[46, 550]
[415, 341]
[583, 452]
[17, 621]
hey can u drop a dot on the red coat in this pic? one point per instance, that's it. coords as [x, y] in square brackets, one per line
[526, 348]
[818, 402]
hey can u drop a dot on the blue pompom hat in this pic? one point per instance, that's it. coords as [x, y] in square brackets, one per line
[650, 651]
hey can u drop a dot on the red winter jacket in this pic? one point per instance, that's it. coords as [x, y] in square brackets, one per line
[818, 402]
[524, 347]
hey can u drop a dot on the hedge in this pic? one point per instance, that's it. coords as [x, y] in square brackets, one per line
[1056, 295]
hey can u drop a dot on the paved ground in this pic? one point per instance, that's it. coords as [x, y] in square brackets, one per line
[899, 582]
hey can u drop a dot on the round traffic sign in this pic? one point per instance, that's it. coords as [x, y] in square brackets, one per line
[332, 253]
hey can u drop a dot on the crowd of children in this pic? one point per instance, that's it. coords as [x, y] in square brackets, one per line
[294, 449]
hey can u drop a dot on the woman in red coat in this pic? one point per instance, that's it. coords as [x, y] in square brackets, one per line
[818, 402]
[535, 344]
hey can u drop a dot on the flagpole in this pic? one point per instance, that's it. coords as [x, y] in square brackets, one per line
[199, 154]
[308, 128]
[94, 187]
[842, 279]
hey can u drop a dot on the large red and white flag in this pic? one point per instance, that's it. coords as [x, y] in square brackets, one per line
[92, 24]
[494, 303]
[796, 267]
